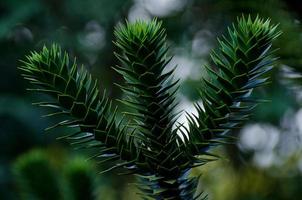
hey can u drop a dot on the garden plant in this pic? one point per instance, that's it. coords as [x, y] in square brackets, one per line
[147, 140]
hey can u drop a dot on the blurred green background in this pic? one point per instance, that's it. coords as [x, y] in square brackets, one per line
[266, 164]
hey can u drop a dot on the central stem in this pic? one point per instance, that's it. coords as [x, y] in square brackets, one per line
[176, 187]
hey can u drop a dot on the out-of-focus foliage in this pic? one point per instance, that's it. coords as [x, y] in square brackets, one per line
[42, 175]
[85, 28]
[252, 183]
[36, 178]
[81, 179]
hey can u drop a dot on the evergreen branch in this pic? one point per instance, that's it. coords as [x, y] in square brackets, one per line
[148, 145]
[150, 91]
[143, 59]
[243, 58]
[77, 96]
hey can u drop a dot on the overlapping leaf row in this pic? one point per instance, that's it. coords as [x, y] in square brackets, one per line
[150, 92]
[241, 61]
[78, 97]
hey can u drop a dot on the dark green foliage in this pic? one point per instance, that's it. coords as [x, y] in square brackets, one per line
[243, 58]
[80, 179]
[143, 59]
[39, 178]
[150, 145]
[36, 177]
[150, 91]
[77, 96]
